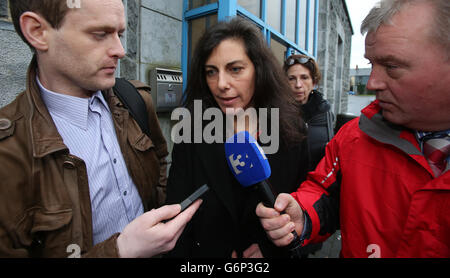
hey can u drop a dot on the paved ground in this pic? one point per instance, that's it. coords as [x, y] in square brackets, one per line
[330, 248]
[356, 103]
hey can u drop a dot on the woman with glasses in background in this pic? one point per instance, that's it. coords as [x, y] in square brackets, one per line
[304, 75]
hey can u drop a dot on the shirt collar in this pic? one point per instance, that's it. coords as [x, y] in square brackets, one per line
[423, 135]
[58, 103]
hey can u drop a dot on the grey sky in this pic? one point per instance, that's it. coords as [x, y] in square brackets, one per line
[358, 10]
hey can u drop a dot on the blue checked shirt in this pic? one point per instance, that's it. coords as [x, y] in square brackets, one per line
[86, 127]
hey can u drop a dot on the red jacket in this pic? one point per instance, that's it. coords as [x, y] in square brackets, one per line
[376, 182]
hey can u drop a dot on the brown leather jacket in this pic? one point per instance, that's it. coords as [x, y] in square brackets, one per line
[45, 207]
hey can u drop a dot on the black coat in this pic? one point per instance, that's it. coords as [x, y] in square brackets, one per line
[315, 113]
[226, 220]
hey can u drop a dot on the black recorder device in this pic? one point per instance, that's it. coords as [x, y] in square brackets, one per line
[191, 199]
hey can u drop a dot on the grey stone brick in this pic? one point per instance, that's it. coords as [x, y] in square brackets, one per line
[4, 8]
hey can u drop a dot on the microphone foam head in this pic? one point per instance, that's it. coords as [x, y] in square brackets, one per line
[246, 159]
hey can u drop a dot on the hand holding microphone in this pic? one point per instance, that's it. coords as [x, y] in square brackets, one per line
[280, 221]
[249, 165]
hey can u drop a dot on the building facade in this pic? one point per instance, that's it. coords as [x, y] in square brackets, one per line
[318, 28]
[163, 34]
[358, 80]
[335, 41]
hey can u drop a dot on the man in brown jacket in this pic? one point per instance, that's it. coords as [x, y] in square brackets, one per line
[64, 190]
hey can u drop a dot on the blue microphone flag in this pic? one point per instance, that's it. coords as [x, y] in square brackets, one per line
[246, 159]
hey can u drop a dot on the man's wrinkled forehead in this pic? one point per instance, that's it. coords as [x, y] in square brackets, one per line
[370, 38]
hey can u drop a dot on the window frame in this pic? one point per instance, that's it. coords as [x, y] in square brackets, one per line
[230, 8]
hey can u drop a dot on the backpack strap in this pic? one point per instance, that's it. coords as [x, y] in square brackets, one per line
[133, 102]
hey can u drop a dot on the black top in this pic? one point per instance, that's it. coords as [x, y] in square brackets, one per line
[315, 113]
[226, 220]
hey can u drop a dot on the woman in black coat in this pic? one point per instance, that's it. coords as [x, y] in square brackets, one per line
[303, 74]
[233, 68]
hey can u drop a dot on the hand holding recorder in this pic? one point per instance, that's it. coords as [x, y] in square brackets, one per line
[157, 231]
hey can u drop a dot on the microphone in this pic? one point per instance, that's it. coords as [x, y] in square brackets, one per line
[250, 166]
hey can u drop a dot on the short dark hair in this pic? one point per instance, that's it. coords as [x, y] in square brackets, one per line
[54, 11]
[271, 85]
[311, 65]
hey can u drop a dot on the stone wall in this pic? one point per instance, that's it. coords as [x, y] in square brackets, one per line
[3, 9]
[15, 56]
[334, 48]
[333, 56]
[160, 41]
[129, 64]
[160, 45]
[152, 39]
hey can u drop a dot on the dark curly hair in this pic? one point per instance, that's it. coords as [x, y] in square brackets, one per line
[271, 85]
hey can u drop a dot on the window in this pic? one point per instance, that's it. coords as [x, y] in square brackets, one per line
[279, 49]
[253, 6]
[289, 26]
[198, 3]
[302, 19]
[273, 10]
[196, 29]
[311, 25]
[291, 19]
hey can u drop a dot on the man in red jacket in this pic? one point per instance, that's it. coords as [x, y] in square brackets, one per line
[377, 182]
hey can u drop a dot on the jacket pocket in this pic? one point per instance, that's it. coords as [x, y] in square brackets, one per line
[45, 233]
[50, 221]
[144, 166]
[146, 161]
[143, 143]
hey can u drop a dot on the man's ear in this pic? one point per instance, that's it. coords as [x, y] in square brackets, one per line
[35, 29]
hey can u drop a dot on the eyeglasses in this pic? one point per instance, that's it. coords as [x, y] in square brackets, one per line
[299, 60]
